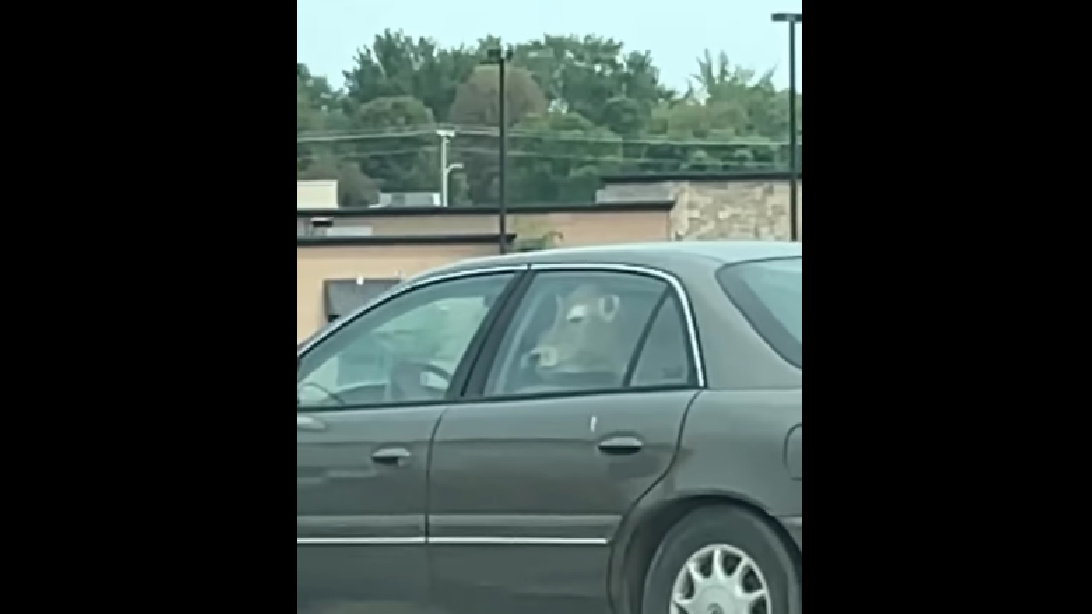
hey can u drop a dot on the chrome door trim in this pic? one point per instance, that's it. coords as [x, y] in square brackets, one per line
[397, 291]
[452, 541]
[360, 541]
[519, 541]
[671, 280]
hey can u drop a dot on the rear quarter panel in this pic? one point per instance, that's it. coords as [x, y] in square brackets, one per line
[734, 443]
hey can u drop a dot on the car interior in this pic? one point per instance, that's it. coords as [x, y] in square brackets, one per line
[516, 373]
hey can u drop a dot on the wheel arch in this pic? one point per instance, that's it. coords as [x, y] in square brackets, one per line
[646, 530]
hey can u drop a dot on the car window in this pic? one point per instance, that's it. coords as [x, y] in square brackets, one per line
[403, 350]
[577, 331]
[665, 358]
[770, 293]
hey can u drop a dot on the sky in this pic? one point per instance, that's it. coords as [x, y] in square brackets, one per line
[328, 32]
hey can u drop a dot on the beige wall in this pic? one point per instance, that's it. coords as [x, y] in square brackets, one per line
[576, 228]
[736, 210]
[709, 209]
[703, 210]
[314, 264]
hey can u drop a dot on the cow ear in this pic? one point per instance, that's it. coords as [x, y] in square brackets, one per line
[608, 306]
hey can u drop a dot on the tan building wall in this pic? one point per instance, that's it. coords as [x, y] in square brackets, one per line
[317, 263]
[576, 228]
[704, 209]
[722, 209]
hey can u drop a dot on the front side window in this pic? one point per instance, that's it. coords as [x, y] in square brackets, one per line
[404, 350]
[770, 293]
[343, 296]
[583, 331]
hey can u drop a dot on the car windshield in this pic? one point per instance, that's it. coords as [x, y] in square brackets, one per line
[771, 295]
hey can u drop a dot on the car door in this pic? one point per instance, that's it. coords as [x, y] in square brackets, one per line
[369, 395]
[575, 414]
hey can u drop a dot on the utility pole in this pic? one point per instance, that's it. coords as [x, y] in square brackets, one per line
[501, 59]
[794, 154]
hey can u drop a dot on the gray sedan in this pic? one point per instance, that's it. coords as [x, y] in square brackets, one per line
[614, 429]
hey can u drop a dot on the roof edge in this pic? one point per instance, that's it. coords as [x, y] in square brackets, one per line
[383, 240]
[778, 175]
[608, 207]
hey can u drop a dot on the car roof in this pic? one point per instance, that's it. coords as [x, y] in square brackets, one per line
[671, 256]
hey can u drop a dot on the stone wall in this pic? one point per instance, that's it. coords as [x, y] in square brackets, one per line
[720, 208]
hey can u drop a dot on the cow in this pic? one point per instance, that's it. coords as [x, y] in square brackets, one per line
[585, 337]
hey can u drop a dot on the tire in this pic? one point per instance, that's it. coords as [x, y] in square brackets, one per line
[706, 529]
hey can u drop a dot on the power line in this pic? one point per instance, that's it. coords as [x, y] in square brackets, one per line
[556, 138]
[620, 159]
[430, 128]
[365, 154]
[522, 154]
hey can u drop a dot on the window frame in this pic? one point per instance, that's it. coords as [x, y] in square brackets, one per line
[466, 364]
[489, 350]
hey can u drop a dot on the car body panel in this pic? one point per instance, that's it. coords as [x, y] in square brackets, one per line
[358, 522]
[733, 444]
[794, 526]
[794, 453]
[524, 506]
[731, 449]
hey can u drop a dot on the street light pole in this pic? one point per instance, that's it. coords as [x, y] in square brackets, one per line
[454, 166]
[501, 59]
[445, 137]
[794, 155]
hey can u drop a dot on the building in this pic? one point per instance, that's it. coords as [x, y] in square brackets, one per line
[346, 256]
[316, 194]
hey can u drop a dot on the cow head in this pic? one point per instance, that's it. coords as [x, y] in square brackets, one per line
[585, 334]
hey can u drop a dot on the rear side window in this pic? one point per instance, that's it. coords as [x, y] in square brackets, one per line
[579, 332]
[770, 295]
[665, 356]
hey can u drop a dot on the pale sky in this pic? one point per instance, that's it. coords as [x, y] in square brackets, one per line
[328, 32]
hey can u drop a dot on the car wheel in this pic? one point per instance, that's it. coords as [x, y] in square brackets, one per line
[722, 560]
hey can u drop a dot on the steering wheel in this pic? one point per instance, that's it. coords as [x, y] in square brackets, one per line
[407, 380]
[323, 390]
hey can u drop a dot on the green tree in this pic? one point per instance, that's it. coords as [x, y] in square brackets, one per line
[559, 157]
[578, 107]
[477, 103]
[593, 77]
[402, 162]
[399, 65]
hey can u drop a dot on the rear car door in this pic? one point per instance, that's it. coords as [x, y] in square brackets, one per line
[369, 395]
[571, 415]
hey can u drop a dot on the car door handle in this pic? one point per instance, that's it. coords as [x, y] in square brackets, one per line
[307, 423]
[621, 445]
[391, 456]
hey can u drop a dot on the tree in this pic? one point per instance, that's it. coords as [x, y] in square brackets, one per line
[591, 76]
[559, 157]
[477, 103]
[397, 65]
[578, 107]
[407, 163]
